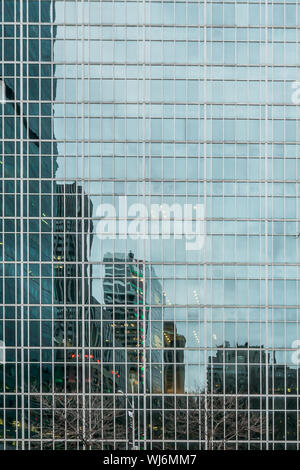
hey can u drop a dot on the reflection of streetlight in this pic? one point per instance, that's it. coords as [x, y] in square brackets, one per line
[2, 92]
[132, 417]
[2, 352]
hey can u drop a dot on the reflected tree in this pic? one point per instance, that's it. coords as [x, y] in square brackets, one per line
[214, 422]
[69, 421]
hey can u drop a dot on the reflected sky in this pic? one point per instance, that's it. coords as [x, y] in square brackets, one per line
[119, 111]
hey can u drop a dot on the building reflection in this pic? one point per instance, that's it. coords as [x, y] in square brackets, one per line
[28, 164]
[149, 352]
[143, 354]
[174, 368]
[77, 326]
[238, 369]
[124, 327]
[253, 374]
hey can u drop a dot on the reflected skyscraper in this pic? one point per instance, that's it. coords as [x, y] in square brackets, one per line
[28, 165]
[258, 382]
[77, 329]
[124, 287]
[174, 373]
[241, 369]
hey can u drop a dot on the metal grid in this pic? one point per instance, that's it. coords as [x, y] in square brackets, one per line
[162, 102]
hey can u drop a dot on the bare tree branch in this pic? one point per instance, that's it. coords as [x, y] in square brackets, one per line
[90, 421]
[218, 422]
[215, 421]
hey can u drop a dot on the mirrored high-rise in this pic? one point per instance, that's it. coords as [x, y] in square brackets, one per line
[28, 166]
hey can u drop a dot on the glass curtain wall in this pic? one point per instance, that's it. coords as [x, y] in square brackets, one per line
[149, 230]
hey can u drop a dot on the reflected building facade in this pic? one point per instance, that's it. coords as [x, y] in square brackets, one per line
[28, 165]
[129, 291]
[123, 320]
[241, 369]
[259, 382]
[173, 361]
[77, 329]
